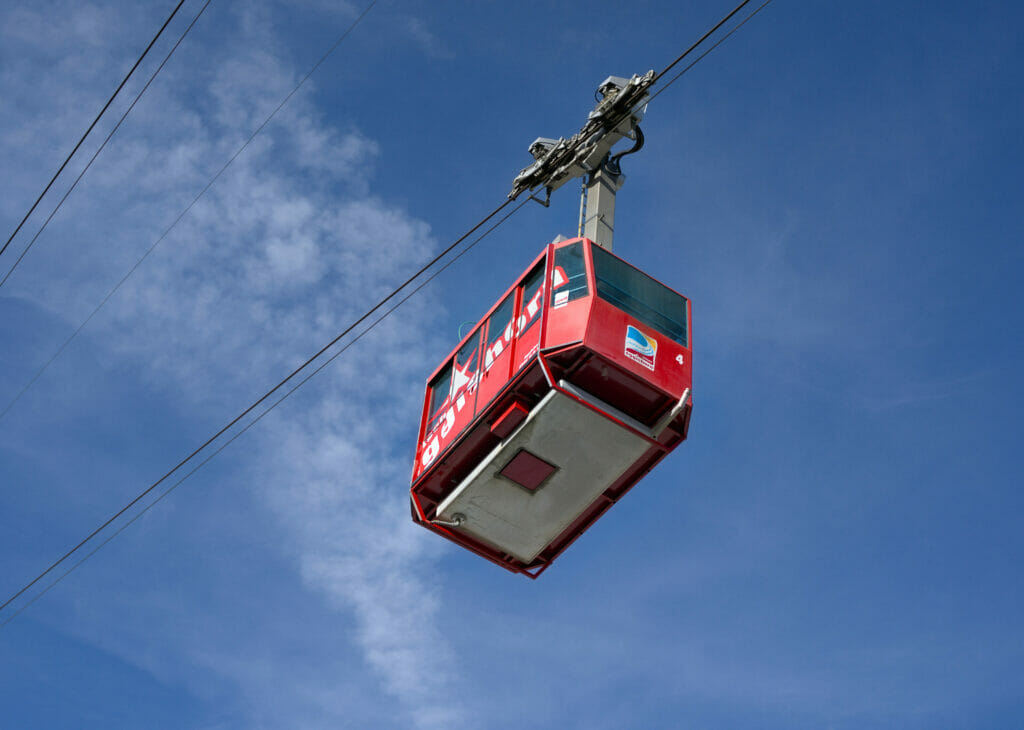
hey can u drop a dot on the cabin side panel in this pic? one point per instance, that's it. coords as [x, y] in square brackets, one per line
[452, 400]
[500, 346]
[639, 349]
[527, 329]
[571, 296]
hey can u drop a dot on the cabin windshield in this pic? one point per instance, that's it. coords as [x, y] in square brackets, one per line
[569, 280]
[532, 299]
[439, 388]
[640, 296]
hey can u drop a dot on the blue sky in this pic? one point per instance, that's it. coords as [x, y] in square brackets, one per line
[837, 544]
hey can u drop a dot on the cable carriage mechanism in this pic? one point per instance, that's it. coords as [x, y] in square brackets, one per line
[574, 385]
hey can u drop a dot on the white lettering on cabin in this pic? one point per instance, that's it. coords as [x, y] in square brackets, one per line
[492, 354]
[449, 421]
[430, 453]
[433, 441]
[534, 305]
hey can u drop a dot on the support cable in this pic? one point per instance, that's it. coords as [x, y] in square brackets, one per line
[688, 51]
[556, 161]
[107, 139]
[94, 122]
[369, 313]
[713, 46]
[306, 364]
[183, 213]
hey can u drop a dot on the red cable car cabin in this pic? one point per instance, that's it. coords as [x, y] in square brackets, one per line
[575, 384]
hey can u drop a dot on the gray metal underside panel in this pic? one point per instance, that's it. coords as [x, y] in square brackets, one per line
[590, 451]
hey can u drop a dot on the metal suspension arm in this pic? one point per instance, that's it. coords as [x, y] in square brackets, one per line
[616, 115]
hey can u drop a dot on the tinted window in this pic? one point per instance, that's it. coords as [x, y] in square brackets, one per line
[532, 303]
[465, 373]
[637, 294]
[499, 330]
[569, 279]
[439, 388]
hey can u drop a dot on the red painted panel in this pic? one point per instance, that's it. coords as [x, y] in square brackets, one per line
[459, 408]
[507, 422]
[568, 307]
[568, 323]
[526, 346]
[528, 318]
[669, 369]
[507, 345]
[498, 351]
[591, 343]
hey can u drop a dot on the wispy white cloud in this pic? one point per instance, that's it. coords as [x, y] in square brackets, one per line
[287, 248]
[416, 30]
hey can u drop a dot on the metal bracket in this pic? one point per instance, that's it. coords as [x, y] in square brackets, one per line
[622, 106]
[663, 422]
[547, 198]
[457, 520]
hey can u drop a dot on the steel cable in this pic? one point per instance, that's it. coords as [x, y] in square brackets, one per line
[270, 392]
[251, 423]
[94, 122]
[25, 388]
[104, 144]
[316, 356]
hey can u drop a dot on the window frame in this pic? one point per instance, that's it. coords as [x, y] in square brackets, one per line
[643, 308]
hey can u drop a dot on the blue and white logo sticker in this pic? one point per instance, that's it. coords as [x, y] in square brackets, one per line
[640, 348]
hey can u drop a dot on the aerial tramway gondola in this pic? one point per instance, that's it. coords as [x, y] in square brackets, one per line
[571, 388]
